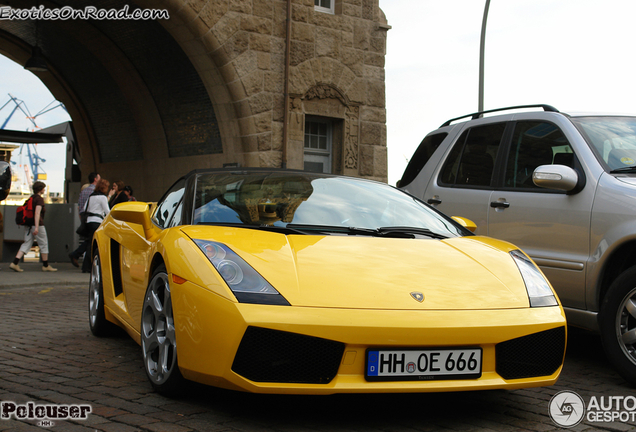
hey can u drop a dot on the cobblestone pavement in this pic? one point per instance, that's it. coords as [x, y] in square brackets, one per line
[48, 356]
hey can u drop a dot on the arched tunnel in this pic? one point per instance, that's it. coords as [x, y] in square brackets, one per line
[138, 92]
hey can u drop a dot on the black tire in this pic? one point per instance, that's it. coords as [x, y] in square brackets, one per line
[158, 341]
[617, 321]
[97, 321]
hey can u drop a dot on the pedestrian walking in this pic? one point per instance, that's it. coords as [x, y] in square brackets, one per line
[5, 185]
[1, 225]
[93, 179]
[36, 232]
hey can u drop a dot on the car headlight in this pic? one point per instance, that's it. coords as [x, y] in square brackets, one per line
[246, 283]
[539, 291]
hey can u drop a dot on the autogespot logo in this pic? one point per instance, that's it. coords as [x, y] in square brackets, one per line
[567, 409]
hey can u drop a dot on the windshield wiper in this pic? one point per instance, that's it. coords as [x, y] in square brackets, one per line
[279, 229]
[304, 229]
[397, 231]
[624, 170]
[334, 229]
[392, 230]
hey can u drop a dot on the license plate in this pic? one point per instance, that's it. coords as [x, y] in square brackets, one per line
[423, 364]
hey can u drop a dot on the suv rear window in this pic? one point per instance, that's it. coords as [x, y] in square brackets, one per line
[472, 160]
[423, 153]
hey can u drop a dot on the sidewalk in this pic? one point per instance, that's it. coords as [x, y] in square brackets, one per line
[33, 275]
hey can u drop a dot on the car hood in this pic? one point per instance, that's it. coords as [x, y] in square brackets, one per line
[340, 271]
[629, 179]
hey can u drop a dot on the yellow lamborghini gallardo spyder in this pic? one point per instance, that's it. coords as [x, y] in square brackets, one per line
[279, 281]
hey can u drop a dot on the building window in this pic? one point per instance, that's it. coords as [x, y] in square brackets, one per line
[324, 6]
[318, 140]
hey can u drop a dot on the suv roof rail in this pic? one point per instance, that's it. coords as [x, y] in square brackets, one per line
[479, 114]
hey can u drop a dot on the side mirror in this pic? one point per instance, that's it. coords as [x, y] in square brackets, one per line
[134, 212]
[466, 223]
[558, 177]
[5, 179]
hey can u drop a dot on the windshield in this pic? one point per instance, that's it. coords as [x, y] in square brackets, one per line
[612, 138]
[302, 199]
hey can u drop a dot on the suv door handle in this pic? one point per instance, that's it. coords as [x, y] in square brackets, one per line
[499, 204]
[434, 201]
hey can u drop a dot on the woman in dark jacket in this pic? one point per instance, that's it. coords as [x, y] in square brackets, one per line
[117, 194]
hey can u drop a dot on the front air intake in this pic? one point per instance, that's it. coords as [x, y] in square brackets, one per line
[267, 355]
[535, 355]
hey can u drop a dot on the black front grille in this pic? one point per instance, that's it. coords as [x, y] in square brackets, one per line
[535, 355]
[267, 355]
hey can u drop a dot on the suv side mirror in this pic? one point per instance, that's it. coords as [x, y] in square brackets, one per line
[559, 177]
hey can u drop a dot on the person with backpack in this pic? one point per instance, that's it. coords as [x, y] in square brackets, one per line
[35, 229]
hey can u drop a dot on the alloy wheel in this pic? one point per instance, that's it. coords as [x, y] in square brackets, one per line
[157, 331]
[626, 325]
[95, 292]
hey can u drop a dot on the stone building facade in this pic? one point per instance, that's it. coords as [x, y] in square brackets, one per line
[336, 92]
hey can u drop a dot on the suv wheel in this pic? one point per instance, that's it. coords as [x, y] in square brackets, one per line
[617, 320]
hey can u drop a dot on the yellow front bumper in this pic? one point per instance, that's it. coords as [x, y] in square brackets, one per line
[210, 329]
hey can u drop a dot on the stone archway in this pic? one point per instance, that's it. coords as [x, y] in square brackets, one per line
[148, 104]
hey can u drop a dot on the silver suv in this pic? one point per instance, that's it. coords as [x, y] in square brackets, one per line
[563, 188]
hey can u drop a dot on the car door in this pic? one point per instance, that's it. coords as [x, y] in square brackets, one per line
[552, 227]
[135, 250]
[463, 185]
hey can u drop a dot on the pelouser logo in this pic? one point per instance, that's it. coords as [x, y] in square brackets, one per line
[32, 411]
[567, 409]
